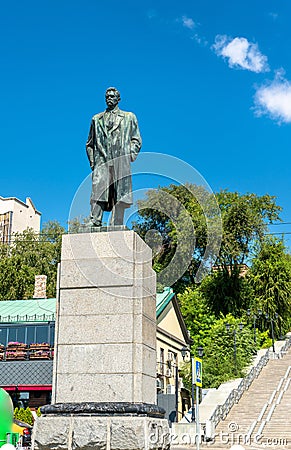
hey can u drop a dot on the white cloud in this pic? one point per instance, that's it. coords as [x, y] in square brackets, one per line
[241, 53]
[188, 22]
[274, 99]
[200, 39]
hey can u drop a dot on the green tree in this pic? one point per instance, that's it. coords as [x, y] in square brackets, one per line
[226, 353]
[197, 315]
[227, 291]
[28, 417]
[270, 278]
[245, 219]
[183, 217]
[30, 254]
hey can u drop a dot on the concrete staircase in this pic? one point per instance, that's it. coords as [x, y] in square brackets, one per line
[262, 417]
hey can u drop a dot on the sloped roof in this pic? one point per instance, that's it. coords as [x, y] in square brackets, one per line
[35, 310]
[163, 299]
[26, 205]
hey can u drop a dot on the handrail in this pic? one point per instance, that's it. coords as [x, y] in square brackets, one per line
[286, 346]
[221, 411]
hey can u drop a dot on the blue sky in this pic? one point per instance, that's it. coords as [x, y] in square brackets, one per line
[208, 80]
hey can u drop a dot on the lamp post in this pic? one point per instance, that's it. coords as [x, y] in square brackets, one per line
[272, 328]
[198, 381]
[184, 351]
[234, 331]
[255, 317]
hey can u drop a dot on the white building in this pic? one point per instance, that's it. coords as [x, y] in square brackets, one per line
[16, 216]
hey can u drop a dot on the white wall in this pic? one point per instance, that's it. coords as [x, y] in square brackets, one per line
[24, 214]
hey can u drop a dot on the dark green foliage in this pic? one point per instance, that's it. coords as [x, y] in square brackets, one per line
[183, 214]
[184, 217]
[227, 292]
[270, 278]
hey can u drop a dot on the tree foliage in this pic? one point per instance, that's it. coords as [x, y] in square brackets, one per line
[270, 278]
[226, 354]
[28, 255]
[245, 218]
[227, 292]
[185, 218]
[245, 221]
[197, 315]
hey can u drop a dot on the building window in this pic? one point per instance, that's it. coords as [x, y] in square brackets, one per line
[27, 334]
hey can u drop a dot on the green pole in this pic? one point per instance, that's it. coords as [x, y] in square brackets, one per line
[6, 415]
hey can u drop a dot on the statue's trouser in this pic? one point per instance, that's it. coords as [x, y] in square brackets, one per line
[98, 208]
[117, 213]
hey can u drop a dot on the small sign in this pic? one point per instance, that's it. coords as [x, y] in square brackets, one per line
[198, 372]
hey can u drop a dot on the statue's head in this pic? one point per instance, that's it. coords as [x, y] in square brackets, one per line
[112, 97]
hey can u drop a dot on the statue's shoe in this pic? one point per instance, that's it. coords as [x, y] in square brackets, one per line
[93, 223]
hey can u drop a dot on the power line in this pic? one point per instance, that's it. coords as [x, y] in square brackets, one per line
[282, 232]
[279, 223]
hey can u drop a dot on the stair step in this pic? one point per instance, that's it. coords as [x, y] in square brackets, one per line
[268, 399]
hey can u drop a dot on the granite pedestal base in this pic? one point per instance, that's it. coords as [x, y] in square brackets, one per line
[104, 382]
[103, 426]
[105, 341]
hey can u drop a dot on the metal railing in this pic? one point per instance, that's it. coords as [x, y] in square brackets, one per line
[222, 411]
[28, 318]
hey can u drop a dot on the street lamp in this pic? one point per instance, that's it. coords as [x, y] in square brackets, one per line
[255, 317]
[234, 331]
[272, 328]
[200, 351]
[198, 381]
[184, 352]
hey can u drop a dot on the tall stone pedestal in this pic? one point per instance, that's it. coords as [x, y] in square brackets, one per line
[104, 386]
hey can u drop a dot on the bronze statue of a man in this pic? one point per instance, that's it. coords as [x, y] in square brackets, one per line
[113, 143]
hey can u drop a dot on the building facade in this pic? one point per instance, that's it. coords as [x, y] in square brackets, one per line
[16, 216]
[172, 336]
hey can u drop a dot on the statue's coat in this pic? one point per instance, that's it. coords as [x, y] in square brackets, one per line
[118, 147]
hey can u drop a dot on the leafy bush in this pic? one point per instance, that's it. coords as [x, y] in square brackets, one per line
[25, 415]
